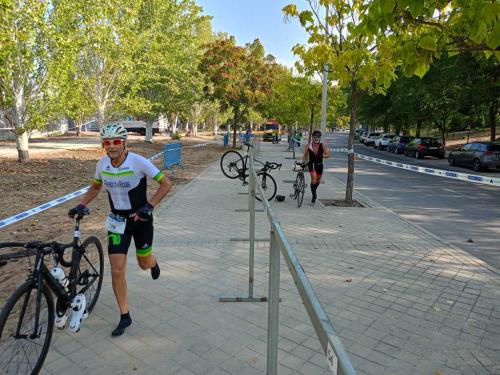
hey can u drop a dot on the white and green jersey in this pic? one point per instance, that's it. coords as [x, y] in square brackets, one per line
[126, 184]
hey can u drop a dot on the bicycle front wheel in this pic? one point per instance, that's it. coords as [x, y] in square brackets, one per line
[24, 347]
[231, 163]
[268, 184]
[301, 188]
[90, 271]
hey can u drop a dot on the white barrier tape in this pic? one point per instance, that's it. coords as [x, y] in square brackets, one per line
[36, 210]
[33, 211]
[485, 180]
[182, 148]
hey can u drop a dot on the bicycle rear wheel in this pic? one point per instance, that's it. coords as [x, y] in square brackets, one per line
[22, 350]
[231, 163]
[90, 271]
[301, 187]
[268, 184]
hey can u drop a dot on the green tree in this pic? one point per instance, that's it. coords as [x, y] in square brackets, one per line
[423, 30]
[354, 59]
[24, 57]
[237, 77]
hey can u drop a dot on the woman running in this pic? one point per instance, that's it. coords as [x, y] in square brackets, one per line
[314, 154]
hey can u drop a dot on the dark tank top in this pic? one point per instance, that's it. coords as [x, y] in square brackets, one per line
[316, 158]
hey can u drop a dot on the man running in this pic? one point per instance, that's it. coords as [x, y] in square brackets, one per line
[124, 176]
[313, 155]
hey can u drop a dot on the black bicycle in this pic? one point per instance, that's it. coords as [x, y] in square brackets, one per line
[234, 165]
[299, 185]
[28, 317]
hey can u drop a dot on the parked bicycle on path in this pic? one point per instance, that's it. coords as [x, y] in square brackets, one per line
[28, 317]
[234, 165]
[299, 185]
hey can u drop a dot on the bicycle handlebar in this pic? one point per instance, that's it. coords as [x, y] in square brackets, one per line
[272, 166]
[301, 164]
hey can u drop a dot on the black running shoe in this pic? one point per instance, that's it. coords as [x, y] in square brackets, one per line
[155, 271]
[125, 321]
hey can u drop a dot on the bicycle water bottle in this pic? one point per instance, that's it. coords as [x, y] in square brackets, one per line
[59, 275]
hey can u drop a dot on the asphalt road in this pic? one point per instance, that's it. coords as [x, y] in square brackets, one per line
[454, 210]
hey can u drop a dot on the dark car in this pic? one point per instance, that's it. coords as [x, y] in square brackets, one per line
[425, 146]
[477, 155]
[398, 144]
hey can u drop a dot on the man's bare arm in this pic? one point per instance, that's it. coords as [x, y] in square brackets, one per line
[93, 191]
[163, 189]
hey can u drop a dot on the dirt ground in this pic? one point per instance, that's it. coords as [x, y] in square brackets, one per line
[55, 174]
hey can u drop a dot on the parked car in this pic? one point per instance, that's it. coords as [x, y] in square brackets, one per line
[362, 136]
[425, 146]
[370, 138]
[477, 155]
[398, 144]
[358, 133]
[382, 141]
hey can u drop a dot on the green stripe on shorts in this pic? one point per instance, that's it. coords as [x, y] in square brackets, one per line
[144, 252]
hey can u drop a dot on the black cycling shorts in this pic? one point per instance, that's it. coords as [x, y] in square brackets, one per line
[141, 231]
[316, 167]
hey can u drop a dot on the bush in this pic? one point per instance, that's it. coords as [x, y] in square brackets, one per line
[176, 136]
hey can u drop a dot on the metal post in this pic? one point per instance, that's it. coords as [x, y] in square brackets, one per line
[273, 308]
[325, 82]
[251, 208]
[323, 99]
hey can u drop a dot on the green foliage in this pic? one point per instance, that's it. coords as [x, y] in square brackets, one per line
[239, 78]
[176, 136]
[429, 28]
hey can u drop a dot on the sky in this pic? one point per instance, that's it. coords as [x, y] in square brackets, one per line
[263, 19]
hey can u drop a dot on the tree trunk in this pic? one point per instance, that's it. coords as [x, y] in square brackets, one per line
[493, 120]
[174, 124]
[236, 117]
[311, 124]
[215, 127]
[419, 126]
[350, 144]
[149, 132]
[101, 112]
[195, 129]
[22, 143]
[22, 148]
[78, 123]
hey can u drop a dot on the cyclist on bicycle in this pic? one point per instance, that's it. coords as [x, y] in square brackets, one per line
[314, 154]
[123, 174]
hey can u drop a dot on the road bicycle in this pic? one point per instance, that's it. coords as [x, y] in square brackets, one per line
[299, 185]
[28, 317]
[234, 165]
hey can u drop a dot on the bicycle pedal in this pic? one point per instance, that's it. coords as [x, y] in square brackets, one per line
[79, 307]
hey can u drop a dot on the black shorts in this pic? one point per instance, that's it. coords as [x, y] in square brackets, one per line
[141, 231]
[316, 167]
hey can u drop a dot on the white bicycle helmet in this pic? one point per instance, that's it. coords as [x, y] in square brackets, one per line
[113, 131]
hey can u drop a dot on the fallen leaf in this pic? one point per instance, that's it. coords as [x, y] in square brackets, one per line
[436, 308]
[348, 280]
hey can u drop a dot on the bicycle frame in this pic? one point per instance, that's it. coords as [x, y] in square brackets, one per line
[41, 274]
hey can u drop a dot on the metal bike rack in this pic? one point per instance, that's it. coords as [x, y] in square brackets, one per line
[252, 210]
[336, 356]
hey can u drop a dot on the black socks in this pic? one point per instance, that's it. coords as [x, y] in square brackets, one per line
[314, 187]
[125, 321]
[155, 271]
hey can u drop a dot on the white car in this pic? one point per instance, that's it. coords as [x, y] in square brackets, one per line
[370, 138]
[382, 141]
[362, 136]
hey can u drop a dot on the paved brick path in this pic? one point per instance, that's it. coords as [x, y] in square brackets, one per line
[412, 306]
